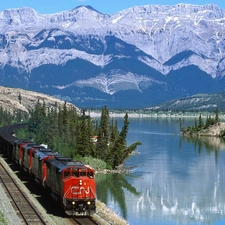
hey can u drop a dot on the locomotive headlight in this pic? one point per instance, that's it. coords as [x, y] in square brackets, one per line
[80, 182]
[88, 203]
[73, 203]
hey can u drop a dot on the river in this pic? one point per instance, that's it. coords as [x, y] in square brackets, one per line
[175, 180]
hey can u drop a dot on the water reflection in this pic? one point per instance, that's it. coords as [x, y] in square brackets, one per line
[210, 144]
[115, 184]
[179, 182]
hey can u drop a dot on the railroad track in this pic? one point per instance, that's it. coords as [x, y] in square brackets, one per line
[83, 221]
[24, 208]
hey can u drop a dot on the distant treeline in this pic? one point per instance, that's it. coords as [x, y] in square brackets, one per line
[7, 117]
[199, 124]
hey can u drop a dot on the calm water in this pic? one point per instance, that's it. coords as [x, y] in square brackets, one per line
[175, 180]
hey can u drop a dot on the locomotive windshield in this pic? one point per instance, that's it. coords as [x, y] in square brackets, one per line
[78, 173]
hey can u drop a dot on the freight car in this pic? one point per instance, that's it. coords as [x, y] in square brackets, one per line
[70, 183]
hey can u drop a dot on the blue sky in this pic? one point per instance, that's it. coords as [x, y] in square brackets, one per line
[104, 6]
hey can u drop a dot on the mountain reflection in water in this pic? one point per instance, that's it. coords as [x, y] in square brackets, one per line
[181, 180]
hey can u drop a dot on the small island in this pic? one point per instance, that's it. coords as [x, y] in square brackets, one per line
[212, 127]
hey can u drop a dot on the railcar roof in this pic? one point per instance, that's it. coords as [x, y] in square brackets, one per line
[10, 139]
[18, 141]
[32, 145]
[6, 132]
[62, 163]
[42, 153]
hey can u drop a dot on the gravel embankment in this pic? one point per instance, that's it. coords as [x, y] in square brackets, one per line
[7, 209]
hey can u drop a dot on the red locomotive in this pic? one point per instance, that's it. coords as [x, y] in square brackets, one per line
[71, 183]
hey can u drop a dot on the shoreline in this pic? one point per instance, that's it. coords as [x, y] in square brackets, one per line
[132, 114]
[215, 130]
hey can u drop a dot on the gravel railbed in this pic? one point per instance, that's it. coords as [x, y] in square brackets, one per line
[7, 209]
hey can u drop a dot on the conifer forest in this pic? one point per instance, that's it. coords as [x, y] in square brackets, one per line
[76, 134]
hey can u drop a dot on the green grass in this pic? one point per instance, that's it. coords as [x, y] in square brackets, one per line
[97, 164]
[2, 219]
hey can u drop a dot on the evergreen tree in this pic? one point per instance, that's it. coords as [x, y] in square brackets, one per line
[104, 125]
[20, 98]
[208, 121]
[200, 122]
[118, 152]
[74, 129]
[124, 131]
[65, 122]
[217, 115]
[41, 124]
[52, 135]
[103, 143]
[36, 117]
[114, 131]
[196, 124]
[83, 142]
[60, 124]
[90, 133]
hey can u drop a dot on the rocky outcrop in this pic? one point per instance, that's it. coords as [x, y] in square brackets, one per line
[216, 130]
[14, 99]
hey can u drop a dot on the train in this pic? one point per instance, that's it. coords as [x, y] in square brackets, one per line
[71, 184]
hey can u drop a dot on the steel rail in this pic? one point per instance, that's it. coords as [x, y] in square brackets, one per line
[18, 197]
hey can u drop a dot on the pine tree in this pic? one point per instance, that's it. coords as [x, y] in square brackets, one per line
[118, 152]
[103, 143]
[73, 127]
[83, 139]
[36, 117]
[217, 115]
[65, 122]
[41, 122]
[114, 131]
[200, 122]
[104, 124]
[52, 135]
[208, 121]
[90, 133]
[20, 98]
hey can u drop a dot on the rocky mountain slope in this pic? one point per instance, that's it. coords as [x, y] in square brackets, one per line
[195, 103]
[134, 58]
[14, 99]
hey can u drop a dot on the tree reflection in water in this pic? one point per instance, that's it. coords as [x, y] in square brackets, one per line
[116, 184]
[210, 144]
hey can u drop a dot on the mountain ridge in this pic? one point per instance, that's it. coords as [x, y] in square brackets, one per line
[93, 59]
[194, 103]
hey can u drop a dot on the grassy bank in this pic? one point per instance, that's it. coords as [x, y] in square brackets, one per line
[2, 219]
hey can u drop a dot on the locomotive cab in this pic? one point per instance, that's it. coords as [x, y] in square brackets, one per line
[80, 195]
[72, 184]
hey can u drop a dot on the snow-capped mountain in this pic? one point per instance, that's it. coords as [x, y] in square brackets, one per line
[134, 58]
